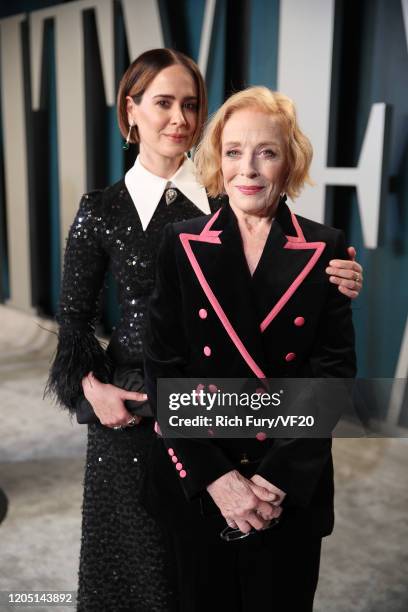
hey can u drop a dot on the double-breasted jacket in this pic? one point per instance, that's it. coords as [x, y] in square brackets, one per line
[208, 317]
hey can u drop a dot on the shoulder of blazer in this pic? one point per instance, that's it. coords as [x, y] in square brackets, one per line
[315, 231]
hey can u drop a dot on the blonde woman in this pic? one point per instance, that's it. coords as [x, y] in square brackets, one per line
[243, 293]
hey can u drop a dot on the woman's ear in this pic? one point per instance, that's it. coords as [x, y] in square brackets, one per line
[130, 109]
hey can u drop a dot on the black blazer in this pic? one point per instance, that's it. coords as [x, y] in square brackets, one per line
[285, 320]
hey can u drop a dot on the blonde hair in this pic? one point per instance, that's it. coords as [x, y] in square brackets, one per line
[299, 149]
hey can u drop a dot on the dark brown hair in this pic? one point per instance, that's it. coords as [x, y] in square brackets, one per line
[141, 73]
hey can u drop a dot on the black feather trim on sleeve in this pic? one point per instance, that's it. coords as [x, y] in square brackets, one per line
[78, 353]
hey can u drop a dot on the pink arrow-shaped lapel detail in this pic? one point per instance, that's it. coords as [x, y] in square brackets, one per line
[211, 236]
[295, 242]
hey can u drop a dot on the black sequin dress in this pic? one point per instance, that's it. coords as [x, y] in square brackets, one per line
[123, 564]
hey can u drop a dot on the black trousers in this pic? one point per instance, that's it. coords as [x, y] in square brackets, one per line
[272, 571]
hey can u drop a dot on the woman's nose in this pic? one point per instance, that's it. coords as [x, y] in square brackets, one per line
[178, 117]
[248, 166]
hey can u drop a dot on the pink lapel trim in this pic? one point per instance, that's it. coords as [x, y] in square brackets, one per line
[295, 242]
[299, 234]
[211, 236]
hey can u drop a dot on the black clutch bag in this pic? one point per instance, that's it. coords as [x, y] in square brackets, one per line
[125, 378]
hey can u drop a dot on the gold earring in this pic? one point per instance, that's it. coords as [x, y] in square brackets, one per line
[126, 143]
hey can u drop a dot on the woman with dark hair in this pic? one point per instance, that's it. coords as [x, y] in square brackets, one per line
[162, 107]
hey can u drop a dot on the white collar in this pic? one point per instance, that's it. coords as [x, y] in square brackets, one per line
[146, 189]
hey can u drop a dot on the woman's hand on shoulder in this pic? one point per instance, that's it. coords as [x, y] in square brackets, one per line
[347, 274]
[108, 402]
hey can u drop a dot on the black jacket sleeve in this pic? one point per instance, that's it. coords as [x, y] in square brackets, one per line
[85, 263]
[295, 465]
[166, 355]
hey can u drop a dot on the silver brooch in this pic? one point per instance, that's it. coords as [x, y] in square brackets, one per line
[171, 195]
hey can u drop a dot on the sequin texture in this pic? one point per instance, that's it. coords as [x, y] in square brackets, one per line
[123, 565]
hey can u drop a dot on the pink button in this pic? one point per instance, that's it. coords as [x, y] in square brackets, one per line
[202, 313]
[290, 356]
[261, 436]
[174, 459]
[182, 474]
[207, 351]
[212, 388]
[299, 321]
[171, 452]
[179, 466]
